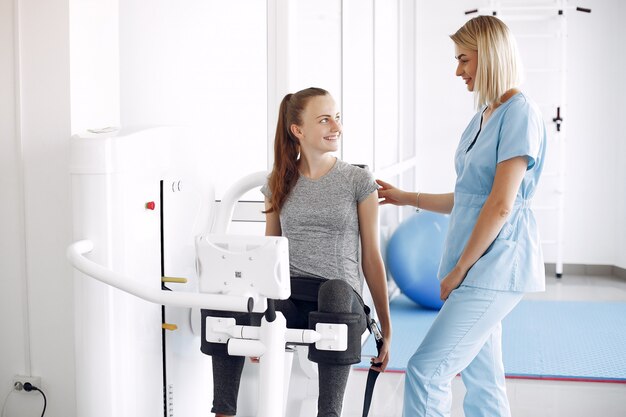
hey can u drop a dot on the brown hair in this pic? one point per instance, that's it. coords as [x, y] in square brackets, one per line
[286, 146]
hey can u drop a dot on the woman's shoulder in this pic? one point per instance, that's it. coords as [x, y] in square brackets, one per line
[523, 100]
[521, 105]
[358, 179]
[349, 167]
[352, 170]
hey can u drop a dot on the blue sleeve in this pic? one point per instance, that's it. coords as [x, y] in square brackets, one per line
[521, 133]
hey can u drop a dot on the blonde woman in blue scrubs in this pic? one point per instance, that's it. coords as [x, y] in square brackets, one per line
[492, 254]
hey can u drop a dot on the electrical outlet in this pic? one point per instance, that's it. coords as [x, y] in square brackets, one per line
[20, 380]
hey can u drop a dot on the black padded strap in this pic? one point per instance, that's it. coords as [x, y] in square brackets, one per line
[352, 354]
[372, 375]
[369, 390]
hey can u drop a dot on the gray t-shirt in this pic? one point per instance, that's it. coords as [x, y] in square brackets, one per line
[320, 220]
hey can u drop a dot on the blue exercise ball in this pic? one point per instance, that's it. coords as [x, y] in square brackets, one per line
[414, 254]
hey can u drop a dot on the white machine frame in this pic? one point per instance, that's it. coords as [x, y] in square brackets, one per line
[237, 273]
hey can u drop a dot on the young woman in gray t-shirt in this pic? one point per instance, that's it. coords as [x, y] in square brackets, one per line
[325, 207]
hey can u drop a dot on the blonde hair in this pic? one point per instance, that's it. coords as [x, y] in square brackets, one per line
[499, 65]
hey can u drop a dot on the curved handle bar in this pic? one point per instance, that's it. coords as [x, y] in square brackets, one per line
[75, 254]
[233, 194]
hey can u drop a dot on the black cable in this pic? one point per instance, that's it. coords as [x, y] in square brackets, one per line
[28, 387]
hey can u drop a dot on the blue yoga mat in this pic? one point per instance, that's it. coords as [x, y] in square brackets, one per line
[563, 340]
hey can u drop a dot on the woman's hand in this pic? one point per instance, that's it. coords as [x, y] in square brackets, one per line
[451, 282]
[391, 194]
[383, 356]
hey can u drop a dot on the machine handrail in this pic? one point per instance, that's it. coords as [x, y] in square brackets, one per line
[75, 254]
[233, 194]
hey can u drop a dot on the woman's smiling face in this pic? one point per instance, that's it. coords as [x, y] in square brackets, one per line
[467, 65]
[321, 125]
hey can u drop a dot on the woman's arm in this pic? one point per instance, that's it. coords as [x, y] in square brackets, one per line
[272, 221]
[493, 215]
[440, 203]
[374, 270]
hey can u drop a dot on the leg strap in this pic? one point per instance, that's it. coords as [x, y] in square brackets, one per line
[352, 354]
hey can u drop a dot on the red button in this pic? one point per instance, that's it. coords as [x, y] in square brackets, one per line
[150, 205]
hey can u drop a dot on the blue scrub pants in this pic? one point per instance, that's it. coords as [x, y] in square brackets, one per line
[465, 337]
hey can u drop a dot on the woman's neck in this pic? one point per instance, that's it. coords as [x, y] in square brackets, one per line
[314, 167]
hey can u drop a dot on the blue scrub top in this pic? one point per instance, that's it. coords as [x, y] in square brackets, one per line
[514, 261]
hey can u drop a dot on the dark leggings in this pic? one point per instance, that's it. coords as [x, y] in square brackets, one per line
[334, 296]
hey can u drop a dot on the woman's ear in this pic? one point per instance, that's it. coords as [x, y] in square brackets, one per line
[296, 131]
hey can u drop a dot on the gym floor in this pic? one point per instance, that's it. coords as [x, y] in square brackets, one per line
[528, 398]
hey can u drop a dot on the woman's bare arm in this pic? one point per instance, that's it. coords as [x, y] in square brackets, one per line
[374, 270]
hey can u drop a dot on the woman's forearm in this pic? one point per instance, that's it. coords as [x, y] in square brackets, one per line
[439, 203]
[490, 221]
[377, 283]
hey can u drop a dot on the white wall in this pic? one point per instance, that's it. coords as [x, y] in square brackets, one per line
[617, 125]
[182, 64]
[597, 133]
[94, 64]
[594, 225]
[44, 344]
[14, 349]
[443, 106]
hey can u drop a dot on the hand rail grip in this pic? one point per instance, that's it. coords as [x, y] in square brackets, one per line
[232, 195]
[75, 253]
